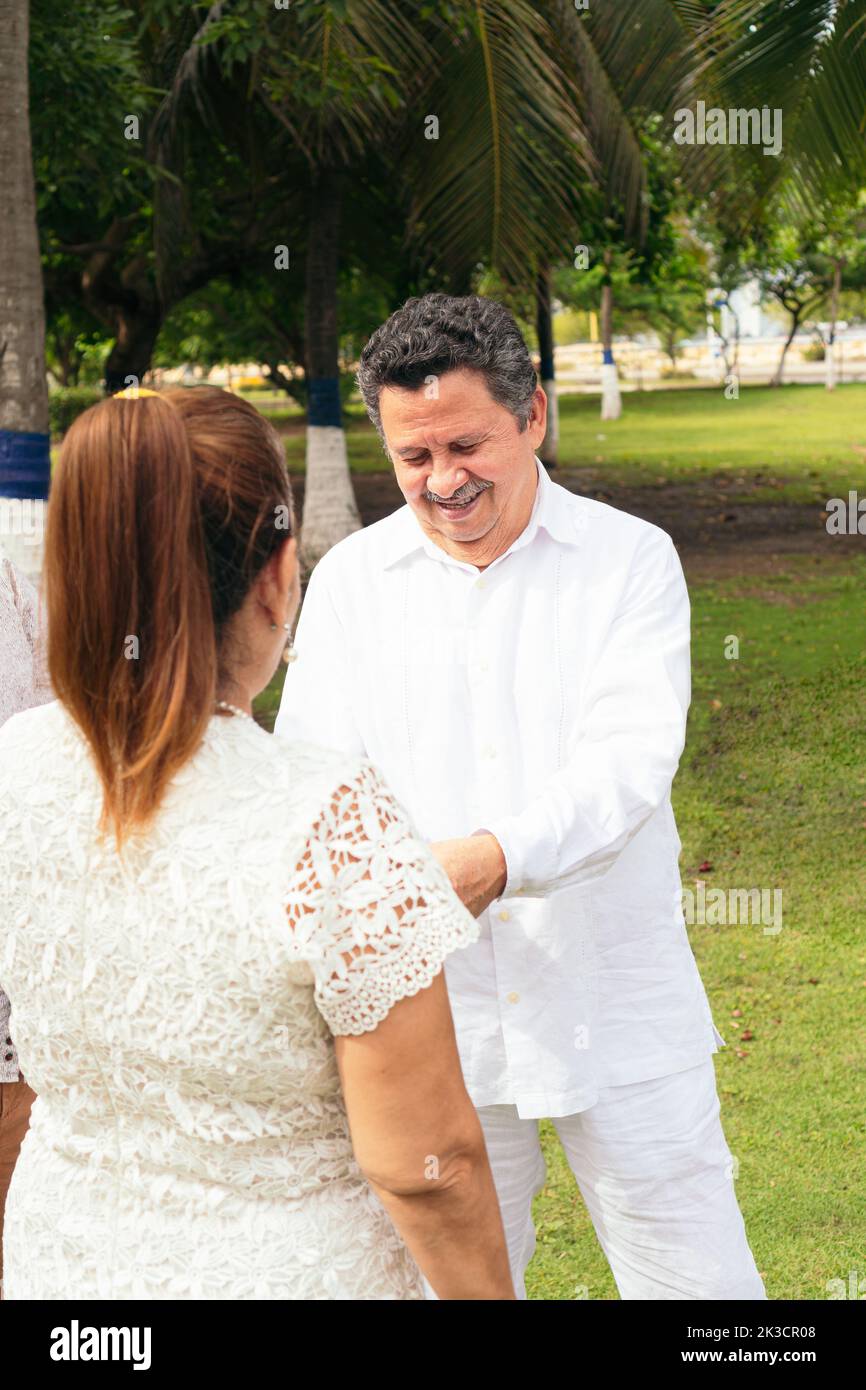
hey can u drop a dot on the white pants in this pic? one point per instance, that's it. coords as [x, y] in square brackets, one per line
[655, 1172]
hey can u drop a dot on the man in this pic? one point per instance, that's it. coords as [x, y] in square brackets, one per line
[23, 682]
[515, 659]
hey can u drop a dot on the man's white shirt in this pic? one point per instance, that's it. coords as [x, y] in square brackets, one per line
[543, 699]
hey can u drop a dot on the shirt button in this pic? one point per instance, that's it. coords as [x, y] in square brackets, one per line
[512, 997]
[504, 915]
[482, 583]
[490, 751]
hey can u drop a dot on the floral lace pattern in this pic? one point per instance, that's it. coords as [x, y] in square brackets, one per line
[189, 1137]
[370, 907]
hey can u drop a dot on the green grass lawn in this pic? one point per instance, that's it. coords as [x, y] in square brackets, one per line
[799, 440]
[771, 793]
[799, 433]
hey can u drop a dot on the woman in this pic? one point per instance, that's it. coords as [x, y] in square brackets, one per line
[23, 683]
[189, 907]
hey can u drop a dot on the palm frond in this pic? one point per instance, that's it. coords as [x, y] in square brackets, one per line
[190, 69]
[611, 133]
[343, 78]
[805, 58]
[499, 184]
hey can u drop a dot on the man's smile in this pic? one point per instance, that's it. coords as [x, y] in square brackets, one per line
[463, 501]
[454, 509]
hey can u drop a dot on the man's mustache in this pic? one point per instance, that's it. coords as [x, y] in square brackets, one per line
[463, 494]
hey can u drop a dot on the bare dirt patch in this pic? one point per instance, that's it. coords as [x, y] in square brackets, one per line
[718, 531]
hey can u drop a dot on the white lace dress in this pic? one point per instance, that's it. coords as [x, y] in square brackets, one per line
[174, 1012]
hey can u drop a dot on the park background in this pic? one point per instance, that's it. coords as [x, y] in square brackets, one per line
[241, 192]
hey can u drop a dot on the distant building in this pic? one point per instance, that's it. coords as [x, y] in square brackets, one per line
[746, 306]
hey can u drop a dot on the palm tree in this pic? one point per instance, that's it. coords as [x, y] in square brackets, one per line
[430, 92]
[499, 187]
[494, 121]
[549, 449]
[24, 441]
[544, 106]
[337, 82]
[808, 59]
[627, 62]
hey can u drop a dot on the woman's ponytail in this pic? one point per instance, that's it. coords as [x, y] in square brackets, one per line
[131, 580]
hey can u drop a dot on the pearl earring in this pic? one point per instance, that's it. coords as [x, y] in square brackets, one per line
[289, 655]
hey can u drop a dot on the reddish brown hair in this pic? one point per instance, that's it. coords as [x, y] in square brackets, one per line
[163, 510]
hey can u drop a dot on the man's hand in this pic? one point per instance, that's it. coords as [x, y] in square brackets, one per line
[476, 867]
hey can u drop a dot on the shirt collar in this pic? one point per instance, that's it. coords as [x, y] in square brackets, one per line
[552, 511]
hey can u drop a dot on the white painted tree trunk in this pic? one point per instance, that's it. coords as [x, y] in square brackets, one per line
[550, 444]
[830, 366]
[830, 351]
[611, 399]
[330, 510]
[548, 450]
[24, 444]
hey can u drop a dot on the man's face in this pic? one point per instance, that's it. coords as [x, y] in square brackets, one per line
[462, 462]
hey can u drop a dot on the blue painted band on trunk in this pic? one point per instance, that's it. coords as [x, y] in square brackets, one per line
[323, 404]
[25, 464]
[607, 357]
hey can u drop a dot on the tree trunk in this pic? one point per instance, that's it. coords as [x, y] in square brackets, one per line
[136, 332]
[731, 362]
[795, 324]
[611, 400]
[830, 351]
[548, 453]
[330, 510]
[25, 458]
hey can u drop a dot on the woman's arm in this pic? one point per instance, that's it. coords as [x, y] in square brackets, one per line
[419, 1143]
[372, 910]
[26, 603]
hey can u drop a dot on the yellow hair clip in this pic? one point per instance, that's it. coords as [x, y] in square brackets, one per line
[132, 393]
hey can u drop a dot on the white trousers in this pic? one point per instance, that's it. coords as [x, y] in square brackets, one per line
[656, 1174]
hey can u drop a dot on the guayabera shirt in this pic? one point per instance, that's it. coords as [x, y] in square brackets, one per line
[544, 700]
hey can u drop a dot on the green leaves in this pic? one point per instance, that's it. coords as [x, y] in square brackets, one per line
[83, 77]
[498, 183]
[808, 58]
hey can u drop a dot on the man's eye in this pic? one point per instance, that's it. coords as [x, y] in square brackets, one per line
[465, 448]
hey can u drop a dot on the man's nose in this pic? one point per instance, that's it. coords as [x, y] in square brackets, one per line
[446, 477]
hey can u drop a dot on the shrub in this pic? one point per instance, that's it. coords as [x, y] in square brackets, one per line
[669, 373]
[66, 404]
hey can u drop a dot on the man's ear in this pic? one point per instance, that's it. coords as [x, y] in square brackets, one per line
[537, 424]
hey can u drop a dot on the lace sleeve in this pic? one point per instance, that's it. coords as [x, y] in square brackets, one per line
[370, 907]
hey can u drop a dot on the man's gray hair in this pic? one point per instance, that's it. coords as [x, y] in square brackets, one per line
[440, 333]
